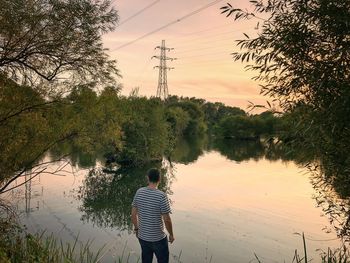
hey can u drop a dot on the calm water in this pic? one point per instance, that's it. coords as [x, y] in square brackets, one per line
[229, 201]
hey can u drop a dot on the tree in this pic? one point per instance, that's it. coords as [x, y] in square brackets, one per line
[178, 119]
[196, 124]
[47, 40]
[301, 54]
[214, 112]
[301, 51]
[236, 126]
[47, 44]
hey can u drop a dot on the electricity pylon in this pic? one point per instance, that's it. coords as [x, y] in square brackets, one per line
[162, 90]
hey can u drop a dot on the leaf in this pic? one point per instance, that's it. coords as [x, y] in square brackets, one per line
[246, 35]
[229, 13]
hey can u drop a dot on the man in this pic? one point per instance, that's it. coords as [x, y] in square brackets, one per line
[150, 209]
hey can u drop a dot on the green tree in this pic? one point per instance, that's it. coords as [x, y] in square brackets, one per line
[47, 47]
[145, 132]
[178, 119]
[301, 56]
[214, 112]
[238, 127]
[196, 124]
[55, 40]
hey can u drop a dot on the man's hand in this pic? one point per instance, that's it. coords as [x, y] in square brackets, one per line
[169, 227]
[136, 232]
[171, 239]
[135, 221]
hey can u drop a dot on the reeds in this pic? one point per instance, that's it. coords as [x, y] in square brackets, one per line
[39, 248]
[340, 255]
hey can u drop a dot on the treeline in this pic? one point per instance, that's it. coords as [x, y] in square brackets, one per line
[124, 129]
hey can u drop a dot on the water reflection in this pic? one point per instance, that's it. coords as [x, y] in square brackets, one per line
[239, 151]
[333, 204]
[79, 157]
[189, 149]
[107, 196]
[106, 193]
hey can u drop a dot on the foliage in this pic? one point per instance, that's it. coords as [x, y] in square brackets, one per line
[189, 148]
[214, 112]
[45, 45]
[236, 127]
[178, 119]
[247, 127]
[301, 51]
[301, 56]
[145, 130]
[192, 106]
[107, 195]
[55, 40]
[16, 245]
[26, 128]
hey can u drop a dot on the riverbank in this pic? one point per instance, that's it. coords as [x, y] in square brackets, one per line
[17, 245]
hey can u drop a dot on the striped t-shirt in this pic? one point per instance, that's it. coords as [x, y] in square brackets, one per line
[151, 204]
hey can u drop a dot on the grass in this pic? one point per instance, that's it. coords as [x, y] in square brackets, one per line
[18, 246]
[38, 248]
[340, 255]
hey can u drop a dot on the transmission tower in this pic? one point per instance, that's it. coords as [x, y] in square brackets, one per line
[162, 90]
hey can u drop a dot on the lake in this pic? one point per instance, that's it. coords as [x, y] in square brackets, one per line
[230, 201]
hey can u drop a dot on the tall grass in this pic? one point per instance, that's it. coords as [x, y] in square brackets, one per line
[18, 246]
[40, 248]
[340, 255]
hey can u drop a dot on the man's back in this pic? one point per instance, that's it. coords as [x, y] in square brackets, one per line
[151, 204]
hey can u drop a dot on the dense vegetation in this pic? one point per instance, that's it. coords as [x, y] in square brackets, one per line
[301, 56]
[127, 130]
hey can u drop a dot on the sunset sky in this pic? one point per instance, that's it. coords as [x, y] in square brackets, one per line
[202, 45]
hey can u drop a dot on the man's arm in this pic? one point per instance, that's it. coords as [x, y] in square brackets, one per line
[134, 219]
[169, 226]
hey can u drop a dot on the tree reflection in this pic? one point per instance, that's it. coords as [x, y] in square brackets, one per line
[79, 157]
[333, 198]
[238, 150]
[107, 196]
[189, 149]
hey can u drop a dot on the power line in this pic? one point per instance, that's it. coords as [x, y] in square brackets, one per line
[202, 37]
[138, 13]
[208, 54]
[205, 48]
[169, 24]
[207, 61]
[201, 31]
[207, 42]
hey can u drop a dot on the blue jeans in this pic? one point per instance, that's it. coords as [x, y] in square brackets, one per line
[160, 248]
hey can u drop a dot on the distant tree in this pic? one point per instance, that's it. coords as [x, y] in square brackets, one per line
[145, 132]
[196, 124]
[214, 112]
[238, 127]
[178, 119]
[56, 40]
[265, 123]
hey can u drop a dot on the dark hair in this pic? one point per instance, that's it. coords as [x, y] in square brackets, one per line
[153, 175]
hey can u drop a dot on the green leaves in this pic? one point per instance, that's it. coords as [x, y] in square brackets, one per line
[56, 41]
[302, 61]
